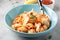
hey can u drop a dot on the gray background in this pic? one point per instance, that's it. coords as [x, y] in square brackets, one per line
[6, 34]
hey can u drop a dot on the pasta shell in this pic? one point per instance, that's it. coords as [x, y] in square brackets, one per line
[32, 31]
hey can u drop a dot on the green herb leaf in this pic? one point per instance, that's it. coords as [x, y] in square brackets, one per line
[33, 17]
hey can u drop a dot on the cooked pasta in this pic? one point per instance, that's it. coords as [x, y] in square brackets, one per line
[31, 22]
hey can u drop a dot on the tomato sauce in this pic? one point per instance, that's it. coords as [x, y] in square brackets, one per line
[47, 2]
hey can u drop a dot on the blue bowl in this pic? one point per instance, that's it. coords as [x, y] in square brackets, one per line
[20, 9]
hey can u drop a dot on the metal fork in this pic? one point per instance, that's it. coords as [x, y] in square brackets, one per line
[40, 4]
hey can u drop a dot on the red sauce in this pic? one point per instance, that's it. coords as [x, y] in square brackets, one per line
[47, 2]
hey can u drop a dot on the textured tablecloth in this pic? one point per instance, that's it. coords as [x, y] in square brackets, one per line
[6, 34]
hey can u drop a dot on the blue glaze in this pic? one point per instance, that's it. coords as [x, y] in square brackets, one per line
[20, 9]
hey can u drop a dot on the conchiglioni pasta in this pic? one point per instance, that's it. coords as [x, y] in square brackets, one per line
[31, 22]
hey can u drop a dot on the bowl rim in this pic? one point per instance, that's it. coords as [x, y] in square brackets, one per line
[28, 33]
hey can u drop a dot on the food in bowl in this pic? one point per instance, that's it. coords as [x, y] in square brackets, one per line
[45, 2]
[30, 1]
[31, 22]
[48, 3]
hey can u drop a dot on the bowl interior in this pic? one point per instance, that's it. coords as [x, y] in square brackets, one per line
[20, 9]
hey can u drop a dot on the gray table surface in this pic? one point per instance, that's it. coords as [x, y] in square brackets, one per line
[6, 34]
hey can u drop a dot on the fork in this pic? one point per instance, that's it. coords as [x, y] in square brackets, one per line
[40, 4]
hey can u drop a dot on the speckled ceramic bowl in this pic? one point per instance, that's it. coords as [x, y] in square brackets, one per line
[19, 9]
